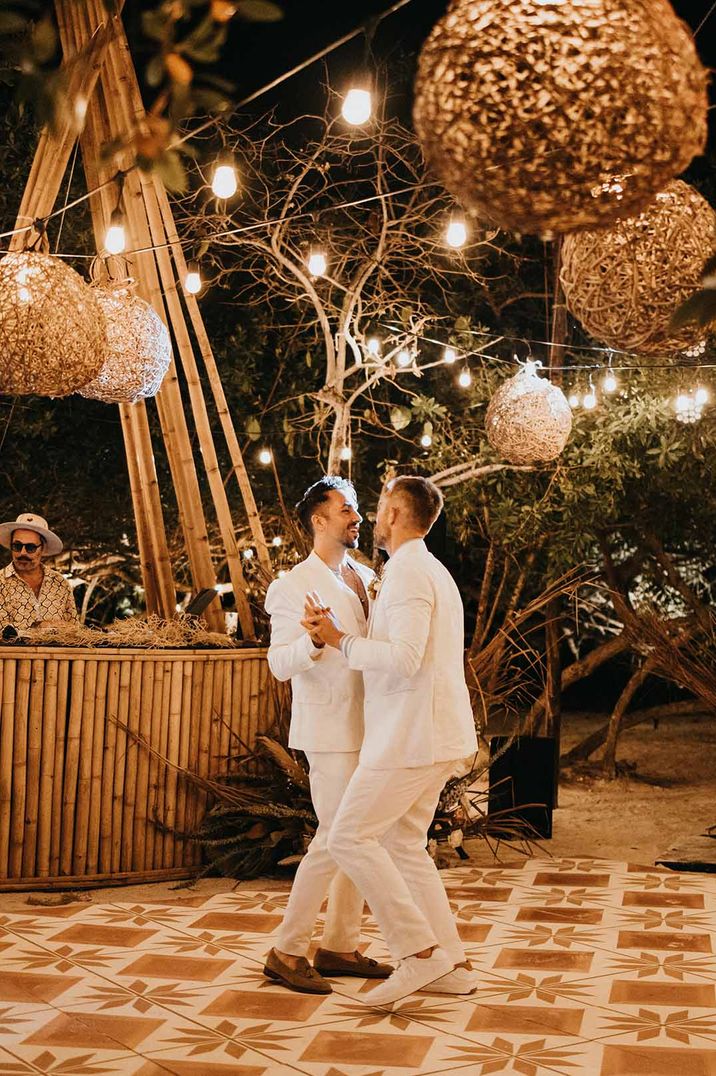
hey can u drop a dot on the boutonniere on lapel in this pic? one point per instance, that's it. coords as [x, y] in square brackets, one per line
[374, 586]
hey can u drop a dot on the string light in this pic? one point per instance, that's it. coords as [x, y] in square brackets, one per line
[372, 345]
[701, 396]
[427, 438]
[456, 234]
[317, 263]
[404, 358]
[223, 182]
[573, 400]
[265, 456]
[277, 540]
[590, 398]
[357, 106]
[464, 379]
[248, 553]
[346, 452]
[449, 355]
[609, 382]
[192, 280]
[115, 240]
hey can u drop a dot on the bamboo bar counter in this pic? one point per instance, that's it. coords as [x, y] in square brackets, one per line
[80, 798]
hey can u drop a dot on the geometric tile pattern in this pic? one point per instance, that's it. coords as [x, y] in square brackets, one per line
[589, 967]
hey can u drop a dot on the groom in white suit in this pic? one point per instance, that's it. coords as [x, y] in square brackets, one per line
[419, 728]
[327, 724]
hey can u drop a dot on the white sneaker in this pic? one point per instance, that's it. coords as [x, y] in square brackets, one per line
[457, 981]
[411, 975]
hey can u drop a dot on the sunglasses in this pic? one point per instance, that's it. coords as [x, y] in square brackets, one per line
[31, 547]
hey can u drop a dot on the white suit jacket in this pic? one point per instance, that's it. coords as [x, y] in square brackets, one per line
[417, 705]
[327, 707]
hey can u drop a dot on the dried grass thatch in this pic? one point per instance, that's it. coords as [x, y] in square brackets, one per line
[556, 117]
[183, 632]
[624, 284]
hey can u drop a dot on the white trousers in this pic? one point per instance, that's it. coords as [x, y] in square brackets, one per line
[329, 773]
[379, 839]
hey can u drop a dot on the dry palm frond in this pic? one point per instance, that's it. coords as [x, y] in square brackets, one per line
[281, 758]
[683, 653]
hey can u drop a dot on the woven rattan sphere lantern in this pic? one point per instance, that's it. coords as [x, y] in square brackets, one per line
[138, 347]
[624, 284]
[52, 328]
[555, 115]
[528, 419]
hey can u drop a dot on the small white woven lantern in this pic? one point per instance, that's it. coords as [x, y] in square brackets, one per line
[528, 419]
[52, 328]
[556, 115]
[623, 284]
[138, 347]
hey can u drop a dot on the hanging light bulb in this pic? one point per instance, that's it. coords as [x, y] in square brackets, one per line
[464, 379]
[682, 402]
[192, 280]
[456, 234]
[223, 181]
[317, 263]
[573, 399]
[357, 106]
[609, 382]
[115, 241]
[248, 553]
[449, 355]
[277, 540]
[372, 345]
[590, 398]
[404, 358]
[346, 452]
[265, 456]
[427, 438]
[701, 397]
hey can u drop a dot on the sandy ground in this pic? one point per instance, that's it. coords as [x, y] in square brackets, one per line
[668, 796]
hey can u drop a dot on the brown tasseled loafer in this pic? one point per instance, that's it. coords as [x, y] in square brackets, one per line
[328, 963]
[302, 978]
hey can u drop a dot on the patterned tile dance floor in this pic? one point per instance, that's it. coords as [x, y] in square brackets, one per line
[586, 966]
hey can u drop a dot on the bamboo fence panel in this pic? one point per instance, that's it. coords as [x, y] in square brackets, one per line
[81, 794]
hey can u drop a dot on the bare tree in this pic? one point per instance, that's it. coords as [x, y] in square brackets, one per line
[363, 201]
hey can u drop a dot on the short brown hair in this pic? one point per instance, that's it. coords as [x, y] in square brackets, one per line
[424, 499]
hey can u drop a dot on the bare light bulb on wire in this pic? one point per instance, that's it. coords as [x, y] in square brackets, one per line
[464, 379]
[404, 358]
[317, 263]
[223, 182]
[346, 453]
[357, 106]
[276, 541]
[590, 400]
[701, 397]
[372, 345]
[192, 280]
[265, 456]
[456, 234]
[449, 355]
[573, 399]
[609, 382]
[427, 436]
[115, 240]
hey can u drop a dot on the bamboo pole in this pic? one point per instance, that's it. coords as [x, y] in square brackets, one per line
[84, 770]
[19, 766]
[96, 786]
[63, 689]
[197, 687]
[7, 729]
[226, 711]
[120, 764]
[139, 829]
[47, 764]
[161, 839]
[170, 801]
[72, 755]
[132, 762]
[34, 754]
[153, 770]
[181, 846]
[109, 748]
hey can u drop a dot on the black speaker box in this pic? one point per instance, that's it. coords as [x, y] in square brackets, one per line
[523, 779]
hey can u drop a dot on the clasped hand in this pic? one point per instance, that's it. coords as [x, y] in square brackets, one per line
[320, 623]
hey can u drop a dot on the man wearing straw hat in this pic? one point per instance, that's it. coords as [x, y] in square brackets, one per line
[32, 594]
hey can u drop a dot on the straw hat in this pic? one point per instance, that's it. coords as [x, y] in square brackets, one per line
[28, 521]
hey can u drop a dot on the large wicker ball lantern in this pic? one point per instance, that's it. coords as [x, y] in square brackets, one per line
[52, 329]
[624, 284]
[528, 419]
[555, 115]
[139, 349]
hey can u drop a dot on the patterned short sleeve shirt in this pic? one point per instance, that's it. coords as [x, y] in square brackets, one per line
[20, 607]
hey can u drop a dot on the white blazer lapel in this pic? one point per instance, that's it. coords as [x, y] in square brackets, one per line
[333, 593]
